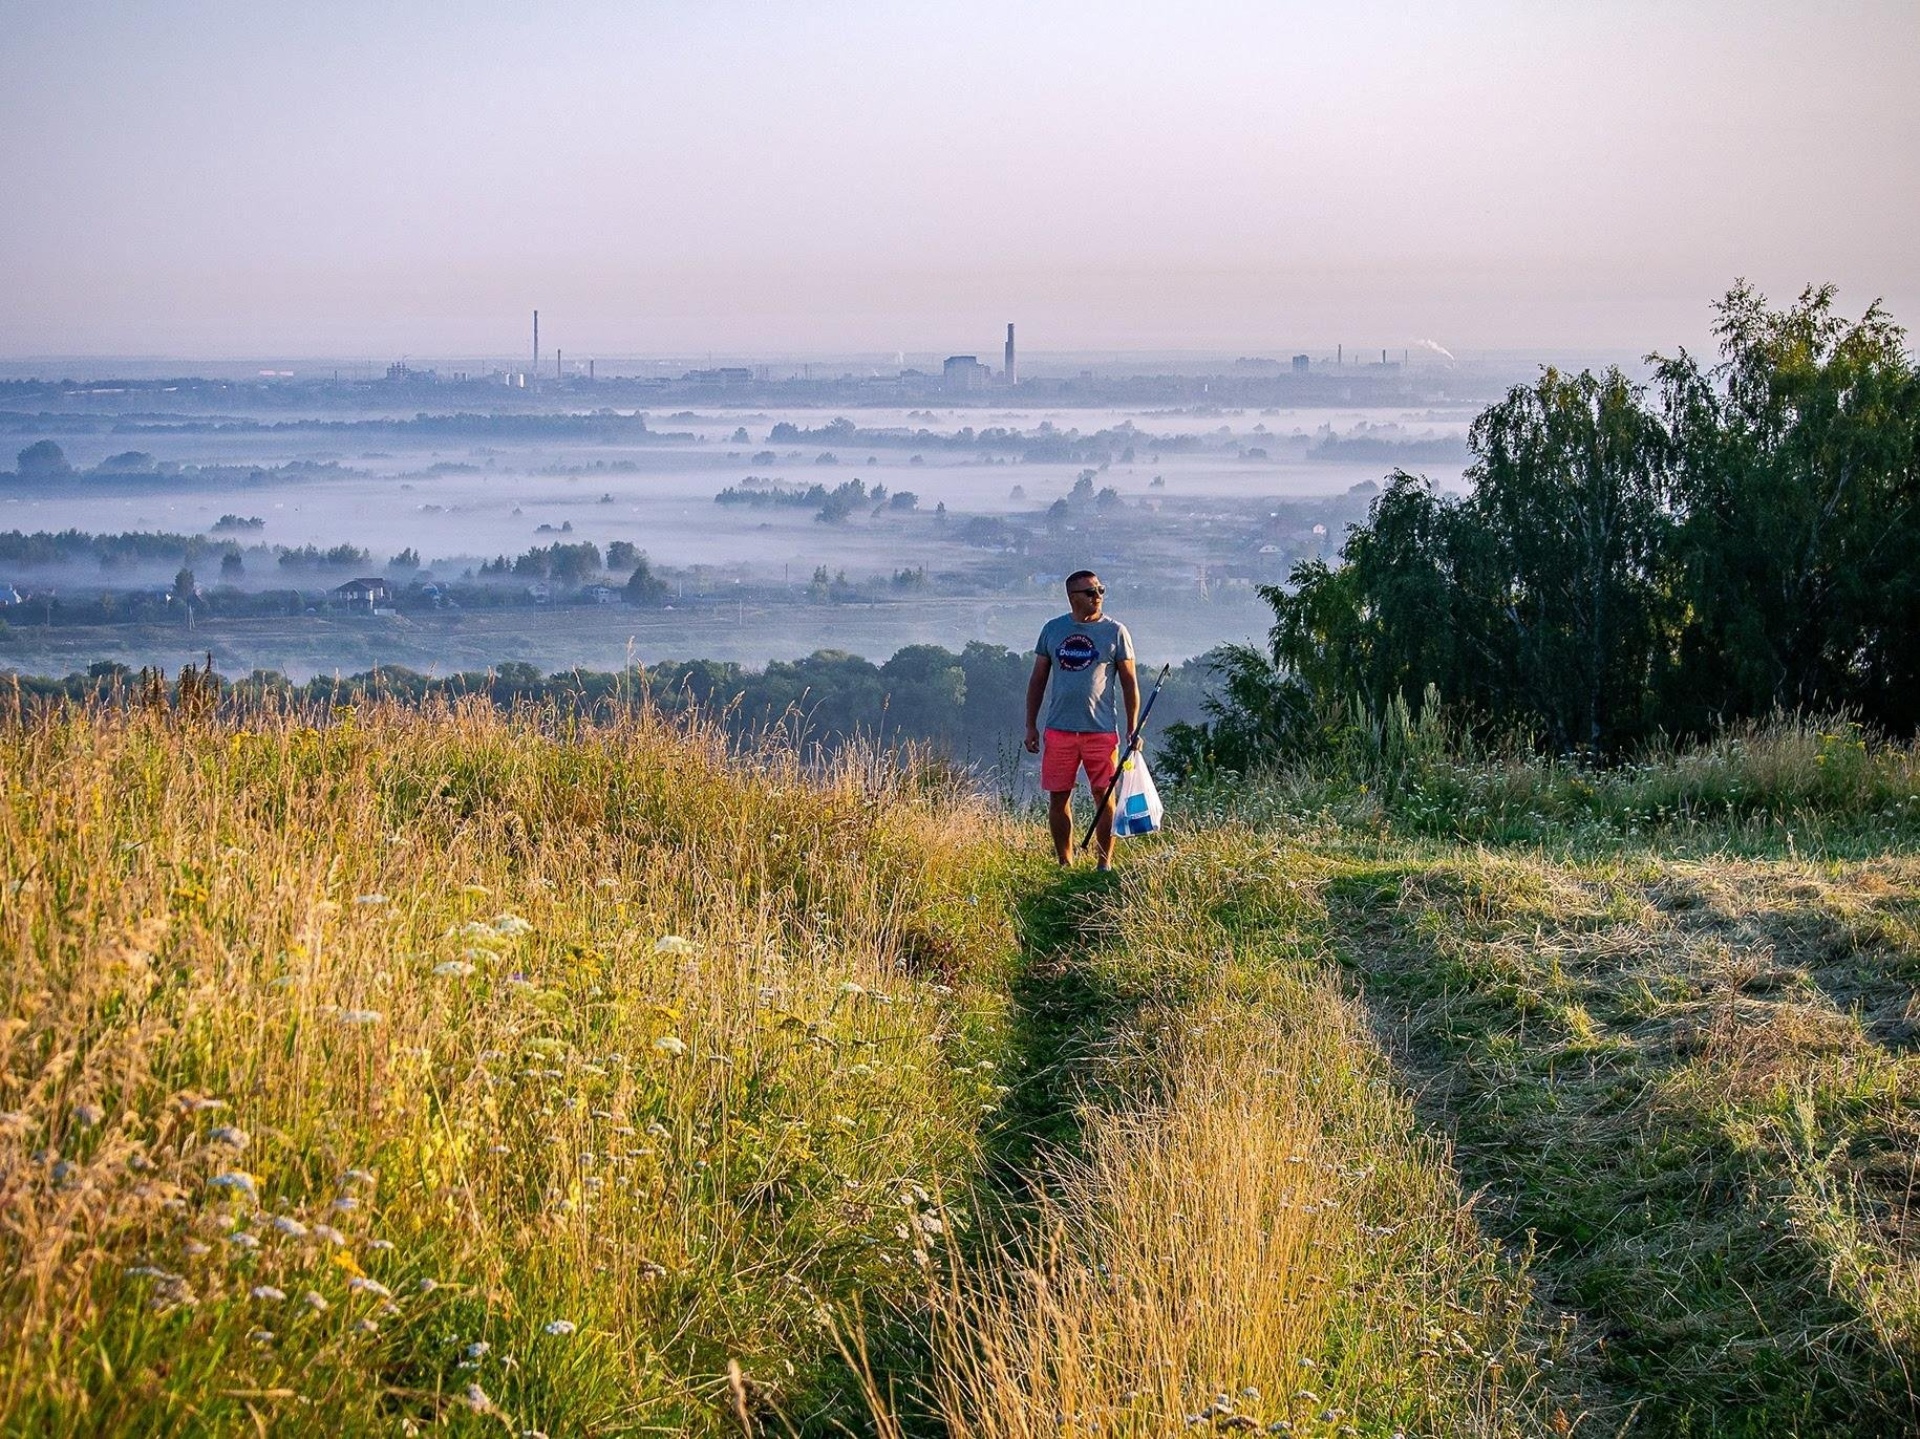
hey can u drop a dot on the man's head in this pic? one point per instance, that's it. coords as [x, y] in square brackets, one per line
[1084, 592]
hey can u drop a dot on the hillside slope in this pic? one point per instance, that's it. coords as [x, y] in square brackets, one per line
[445, 1069]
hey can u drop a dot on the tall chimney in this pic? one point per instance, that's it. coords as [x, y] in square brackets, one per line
[536, 342]
[1013, 377]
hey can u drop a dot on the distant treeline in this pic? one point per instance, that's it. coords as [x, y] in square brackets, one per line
[45, 462]
[967, 705]
[1044, 444]
[67, 547]
[831, 506]
[1631, 562]
[602, 426]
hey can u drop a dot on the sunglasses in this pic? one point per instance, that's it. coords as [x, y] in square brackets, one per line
[1093, 590]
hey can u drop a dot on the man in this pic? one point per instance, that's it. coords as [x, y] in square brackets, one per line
[1082, 653]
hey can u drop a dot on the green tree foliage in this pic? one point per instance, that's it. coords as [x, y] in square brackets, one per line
[1740, 539]
[43, 460]
[644, 587]
[1796, 464]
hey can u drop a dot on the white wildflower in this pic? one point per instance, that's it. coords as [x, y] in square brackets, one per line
[363, 1285]
[673, 944]
[560, 1326]
[359, 1176]
[427, 1286]
[380, 1244]
[262, 1336]
[345, 1204]
[237, 1180]
[314, 1302]
[267, 1291]
[477, 1400]
[511, 925]
[288, 1225]
[329, 1233]
[231, 1135]
[453, 969]
[361, 1017]
[244, 1241]
[370, 899]
[365, 1326]
[478, 1349]
[88, 1115]
[671, 1044]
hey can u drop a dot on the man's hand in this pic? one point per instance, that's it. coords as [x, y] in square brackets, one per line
[1036, 690]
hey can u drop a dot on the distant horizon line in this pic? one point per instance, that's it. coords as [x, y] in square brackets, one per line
[1280, 354]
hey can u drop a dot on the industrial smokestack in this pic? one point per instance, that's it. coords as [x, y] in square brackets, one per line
[536, 342]
[1013, 377]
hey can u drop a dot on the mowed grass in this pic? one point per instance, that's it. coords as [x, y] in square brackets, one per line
[1693, 1084]
[447, 1068]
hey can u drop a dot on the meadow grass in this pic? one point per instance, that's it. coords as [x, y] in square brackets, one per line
[445, 1067]
[390, 1070]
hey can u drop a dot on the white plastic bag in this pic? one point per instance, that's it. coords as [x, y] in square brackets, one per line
[1136, 803]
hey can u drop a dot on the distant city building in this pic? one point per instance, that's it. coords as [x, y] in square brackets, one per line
[726, 375]
[1010, 374]
[1301, 364]
[965, 372]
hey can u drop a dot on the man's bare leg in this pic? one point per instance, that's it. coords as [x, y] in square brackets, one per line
[1060, 824]
[1103, 832]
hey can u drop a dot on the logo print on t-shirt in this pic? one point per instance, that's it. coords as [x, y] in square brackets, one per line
[1076, 652]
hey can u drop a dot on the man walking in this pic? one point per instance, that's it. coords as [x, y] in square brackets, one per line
[1082, 653]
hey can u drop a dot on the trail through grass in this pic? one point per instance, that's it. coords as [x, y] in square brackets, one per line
[1222, 1214]
[1692, 1084]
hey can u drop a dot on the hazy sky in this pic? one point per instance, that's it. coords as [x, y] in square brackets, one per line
[344, 178]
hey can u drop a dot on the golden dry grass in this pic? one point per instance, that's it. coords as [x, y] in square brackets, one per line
[458, 1031]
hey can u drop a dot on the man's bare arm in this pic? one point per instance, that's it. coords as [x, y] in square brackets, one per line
[1036, 691]
[1130, 692]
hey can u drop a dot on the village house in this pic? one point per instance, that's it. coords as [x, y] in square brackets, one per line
[368, 592]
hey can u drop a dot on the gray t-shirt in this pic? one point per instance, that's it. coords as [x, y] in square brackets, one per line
[1085, 656]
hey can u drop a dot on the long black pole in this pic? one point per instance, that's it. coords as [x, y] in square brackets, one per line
[1133, 743]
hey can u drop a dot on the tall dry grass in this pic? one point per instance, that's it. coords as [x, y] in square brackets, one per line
[455, 1068]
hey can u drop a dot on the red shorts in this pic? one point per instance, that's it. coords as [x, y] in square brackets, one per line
[1066, 750]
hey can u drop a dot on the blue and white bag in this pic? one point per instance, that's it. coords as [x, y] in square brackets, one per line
[1136, 803]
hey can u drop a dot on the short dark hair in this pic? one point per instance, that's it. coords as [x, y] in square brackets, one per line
[1081, 575]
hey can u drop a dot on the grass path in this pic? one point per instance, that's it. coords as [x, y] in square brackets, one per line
[1208, 1206]
[1690, 1085]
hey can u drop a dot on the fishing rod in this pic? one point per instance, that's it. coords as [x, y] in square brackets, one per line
[1133, 744]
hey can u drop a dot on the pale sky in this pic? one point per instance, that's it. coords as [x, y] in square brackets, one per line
[210, 179]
